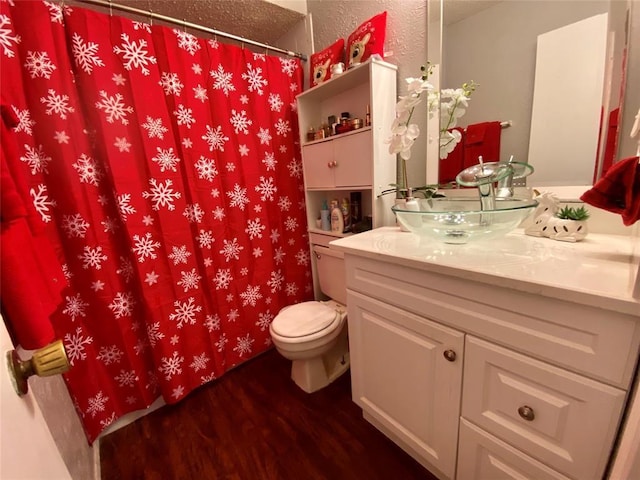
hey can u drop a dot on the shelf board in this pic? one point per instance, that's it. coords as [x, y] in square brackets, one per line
[340, 135]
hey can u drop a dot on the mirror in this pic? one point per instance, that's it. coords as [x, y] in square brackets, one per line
[495, 43]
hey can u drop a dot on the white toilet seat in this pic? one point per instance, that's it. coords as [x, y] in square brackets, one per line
[307, 321]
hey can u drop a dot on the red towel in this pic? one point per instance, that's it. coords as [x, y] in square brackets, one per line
[482, 139]
[618, 191]
[452, 165]
[31, 276]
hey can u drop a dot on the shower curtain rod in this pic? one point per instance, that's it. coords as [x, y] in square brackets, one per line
[194, 26]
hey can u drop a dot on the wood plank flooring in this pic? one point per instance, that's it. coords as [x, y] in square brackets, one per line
[255, 423]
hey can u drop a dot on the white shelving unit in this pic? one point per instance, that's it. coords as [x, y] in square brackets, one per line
[355, 161]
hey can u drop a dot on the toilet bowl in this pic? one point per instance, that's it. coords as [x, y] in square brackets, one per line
[313, 335]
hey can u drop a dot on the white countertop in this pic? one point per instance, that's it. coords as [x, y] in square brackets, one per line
[599, 271]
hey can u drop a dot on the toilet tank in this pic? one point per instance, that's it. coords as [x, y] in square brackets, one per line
[331, 274]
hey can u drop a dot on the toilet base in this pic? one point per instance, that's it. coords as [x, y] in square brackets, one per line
[315, 373]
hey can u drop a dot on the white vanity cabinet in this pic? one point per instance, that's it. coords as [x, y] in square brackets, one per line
[478, 376]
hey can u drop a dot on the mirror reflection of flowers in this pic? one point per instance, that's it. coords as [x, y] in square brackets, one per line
[452, 105]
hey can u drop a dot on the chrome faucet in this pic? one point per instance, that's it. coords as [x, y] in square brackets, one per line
[518, 170]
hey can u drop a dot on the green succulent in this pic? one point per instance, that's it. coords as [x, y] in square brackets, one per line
[572, 213]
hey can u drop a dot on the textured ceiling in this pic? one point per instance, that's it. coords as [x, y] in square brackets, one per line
[257, 20]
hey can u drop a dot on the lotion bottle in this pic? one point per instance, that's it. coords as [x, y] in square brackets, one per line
[325, 217]
[337, 220]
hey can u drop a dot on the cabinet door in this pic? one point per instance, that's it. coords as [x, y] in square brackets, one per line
[402, 380]
[317, 162]
[483, 457]
[564, 420]
[354, 161]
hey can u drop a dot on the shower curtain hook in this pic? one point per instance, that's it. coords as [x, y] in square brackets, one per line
[184, 25]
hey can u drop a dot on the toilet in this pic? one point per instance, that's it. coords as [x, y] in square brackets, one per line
[313, 335]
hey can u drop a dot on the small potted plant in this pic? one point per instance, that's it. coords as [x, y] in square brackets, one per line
[569, 224]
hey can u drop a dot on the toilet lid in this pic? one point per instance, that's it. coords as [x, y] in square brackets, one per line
[304, 319]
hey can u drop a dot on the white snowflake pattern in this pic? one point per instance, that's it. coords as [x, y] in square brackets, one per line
[222, 342]
[88, 170]
[125, 269]
[231, 249]
[58, 104]
[41, 202]
[61, 137]
[238, 197]
[240, 121]
[171, 84]
[279, 255]
[74, 226]
[126, 379]
[145, 247]
[161, 194]
[186, 41]
[171, 366]
[178, 392]
[264, 135]
[200, 93]
[266, 189]
[154, 333]
[255, 228]
[74, 344]
[184, 116]
[270, 161]
[24, 121]
[110, 225]
[166, 159]
[56, 11]
[6, 39]
[189, 280]
[114, 108]
[255, 79]
[291, 224]
[97, 404]
[295, 168]
[122, 144]
[124, 207]
[212, 322]
[243, 150]
[223, 279]
[185, 312]
[37, 160]
[284, 204]
[118, 79]
[85, 54]
[154, 128]
[142, 26]
[122, 304]
[39, 65]
[135, 54]
[92, 257]
[193, 213]
[276, 281]
[243, 345]
[289, 65]
[205, 239]
[75, 307]
[264, 320]
[206, 168]
[215, 138]
[275, 102]
[282, 127]
[179, 254]
[109, 355]
[291, 289]
[151, 278]
[223, 80]
[251, 295]
[218, 213]
[302, 257]
[199, 362]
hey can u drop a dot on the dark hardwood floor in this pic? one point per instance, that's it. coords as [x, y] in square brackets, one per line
[255, 423]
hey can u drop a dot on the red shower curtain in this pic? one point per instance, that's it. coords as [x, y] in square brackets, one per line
[166, 171]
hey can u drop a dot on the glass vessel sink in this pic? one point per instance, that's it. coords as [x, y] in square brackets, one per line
[461, 220]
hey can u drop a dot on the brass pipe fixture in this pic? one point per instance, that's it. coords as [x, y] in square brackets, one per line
[46, 361]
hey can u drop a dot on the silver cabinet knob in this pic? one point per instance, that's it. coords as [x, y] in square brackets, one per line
[450, 355]
[527, 413]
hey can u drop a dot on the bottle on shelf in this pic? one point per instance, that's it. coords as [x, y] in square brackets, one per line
[337, 220]
[367, 118]
[325, 217]
[346, 215]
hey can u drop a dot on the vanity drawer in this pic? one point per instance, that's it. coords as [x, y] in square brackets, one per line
[597, 343]
[482, 456]
[561, 419]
